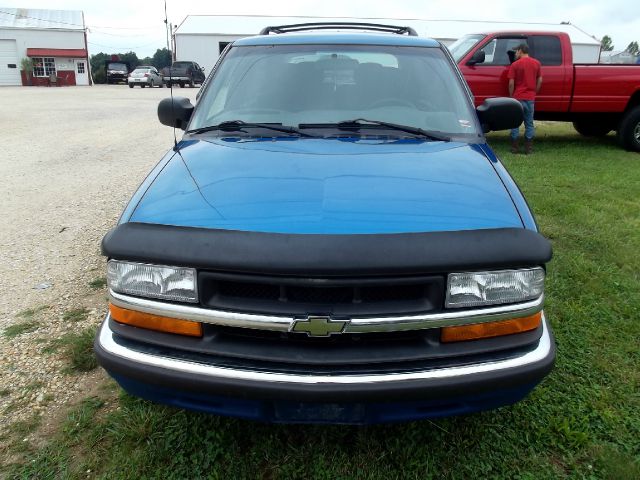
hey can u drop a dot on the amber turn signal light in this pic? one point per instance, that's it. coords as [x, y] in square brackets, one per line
[490, 329]
[155, 322]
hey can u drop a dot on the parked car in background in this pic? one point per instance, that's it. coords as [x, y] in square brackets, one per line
[184, 73]
[117, 72]
[332, 240]
[597, 98]
[145, 76]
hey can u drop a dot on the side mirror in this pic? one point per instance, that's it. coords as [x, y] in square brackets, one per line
[500, 113]
[175, 112]
[477, 57]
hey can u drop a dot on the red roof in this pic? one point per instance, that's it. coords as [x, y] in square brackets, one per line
[57, 52]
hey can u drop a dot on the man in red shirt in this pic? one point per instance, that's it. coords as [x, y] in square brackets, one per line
[525, 81]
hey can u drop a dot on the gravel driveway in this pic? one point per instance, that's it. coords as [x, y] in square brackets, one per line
[71, 159]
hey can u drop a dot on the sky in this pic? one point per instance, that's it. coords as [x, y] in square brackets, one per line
[123, 25]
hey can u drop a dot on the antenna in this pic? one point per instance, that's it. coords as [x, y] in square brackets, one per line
[166, 24]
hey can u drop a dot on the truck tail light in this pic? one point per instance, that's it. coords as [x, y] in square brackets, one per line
[490, 329]
[146, 74]
[155, 322]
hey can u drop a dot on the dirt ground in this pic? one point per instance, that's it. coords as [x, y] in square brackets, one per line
[71, 159]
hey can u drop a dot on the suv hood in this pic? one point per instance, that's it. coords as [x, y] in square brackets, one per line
[328, 186]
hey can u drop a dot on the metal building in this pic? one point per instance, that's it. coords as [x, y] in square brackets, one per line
[201, 38]
[55, 41]
[618, 56]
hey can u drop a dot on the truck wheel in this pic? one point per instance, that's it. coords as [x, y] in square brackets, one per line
[191, 83]
[131, 85]
[142, 86]
[629, 130]
[181, 84]
[591, 128]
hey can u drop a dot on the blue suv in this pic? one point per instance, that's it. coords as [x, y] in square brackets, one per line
[332, 240]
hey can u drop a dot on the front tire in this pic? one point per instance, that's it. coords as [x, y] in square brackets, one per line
[131, 85]
[591, 128]
[629, 130]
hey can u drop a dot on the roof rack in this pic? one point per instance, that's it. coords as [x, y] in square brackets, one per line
[302, 27]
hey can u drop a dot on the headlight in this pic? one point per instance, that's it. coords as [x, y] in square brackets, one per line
[168, 283]
[491, 288]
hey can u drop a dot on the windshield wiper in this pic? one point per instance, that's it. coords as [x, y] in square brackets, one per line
[357, 123]
[238, 125]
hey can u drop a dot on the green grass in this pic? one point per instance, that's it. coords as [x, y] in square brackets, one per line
[20, 328]
[31, 312]
[98, 283]
[582, 422]
[77, 348]
[76, 315]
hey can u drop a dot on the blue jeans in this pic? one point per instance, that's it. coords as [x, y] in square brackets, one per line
[529, 129]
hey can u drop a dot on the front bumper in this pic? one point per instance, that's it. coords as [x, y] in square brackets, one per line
[271, 396]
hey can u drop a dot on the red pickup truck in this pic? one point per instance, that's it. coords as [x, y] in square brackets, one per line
[596, 98]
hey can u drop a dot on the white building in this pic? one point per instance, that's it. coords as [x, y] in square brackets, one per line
[54, 40]
[617, 56]
[201, 38]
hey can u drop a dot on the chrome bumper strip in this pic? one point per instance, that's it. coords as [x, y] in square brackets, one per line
[356, 325]
[109, 345]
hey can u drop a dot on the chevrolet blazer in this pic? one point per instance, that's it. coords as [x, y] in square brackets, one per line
[332, 240]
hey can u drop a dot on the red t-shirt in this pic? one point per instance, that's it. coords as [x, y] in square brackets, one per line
[525, 73]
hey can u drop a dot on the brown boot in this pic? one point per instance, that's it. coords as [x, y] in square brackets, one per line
[515, 146]
[528, 146]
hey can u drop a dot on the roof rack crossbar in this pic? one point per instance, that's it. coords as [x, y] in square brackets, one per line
[301, 27]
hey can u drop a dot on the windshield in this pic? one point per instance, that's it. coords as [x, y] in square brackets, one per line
[460, 47]
[117, 66]
[312, 84]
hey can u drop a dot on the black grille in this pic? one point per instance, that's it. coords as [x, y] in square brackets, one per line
[335, 296]
[249, 290]
[323, 295]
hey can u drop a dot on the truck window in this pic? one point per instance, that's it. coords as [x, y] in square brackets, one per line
[460, 47]
[497, 51]
[546, 49]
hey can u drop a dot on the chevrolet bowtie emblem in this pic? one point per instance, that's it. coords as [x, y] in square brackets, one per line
[317, 326]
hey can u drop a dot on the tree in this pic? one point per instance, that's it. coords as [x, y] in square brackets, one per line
[606, 43]
[633, 48]
[97, 67]
[162, 58]
[130, 58]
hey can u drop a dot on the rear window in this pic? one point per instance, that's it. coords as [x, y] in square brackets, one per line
[181, 64]
[546, 49]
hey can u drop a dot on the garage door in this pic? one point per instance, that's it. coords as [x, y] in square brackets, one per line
[9, 67]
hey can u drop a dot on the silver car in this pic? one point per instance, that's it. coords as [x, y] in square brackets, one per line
[145, 76]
